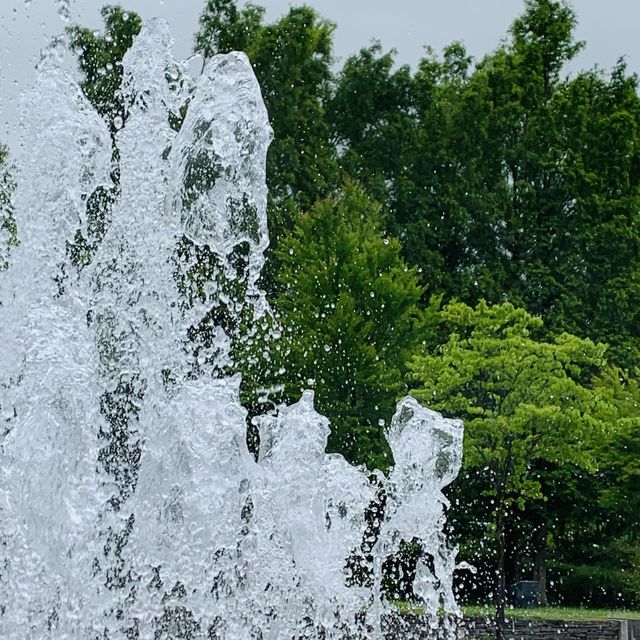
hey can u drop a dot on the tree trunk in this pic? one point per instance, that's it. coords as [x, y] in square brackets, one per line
[501, 587]
[540, 565]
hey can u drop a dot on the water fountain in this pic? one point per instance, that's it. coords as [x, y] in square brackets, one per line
[130, 505]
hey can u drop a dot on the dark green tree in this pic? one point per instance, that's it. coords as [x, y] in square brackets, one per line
[506, 181]
[224, 27]
[566, 199]
[372, 120]
[411, 140]
[542, 42]
[100, 59]
[569, 153]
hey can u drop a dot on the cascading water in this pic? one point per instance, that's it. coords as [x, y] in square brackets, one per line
[130, 505]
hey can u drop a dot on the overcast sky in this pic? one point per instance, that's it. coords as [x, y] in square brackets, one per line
[610, 29]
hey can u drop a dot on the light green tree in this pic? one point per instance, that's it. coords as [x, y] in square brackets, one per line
[620, 454]
[524, 401]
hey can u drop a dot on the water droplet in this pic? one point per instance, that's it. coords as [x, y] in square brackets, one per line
[64, 10]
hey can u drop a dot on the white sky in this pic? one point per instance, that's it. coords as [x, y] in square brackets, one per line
[610, 29]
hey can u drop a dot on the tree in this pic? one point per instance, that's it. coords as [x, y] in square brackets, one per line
[599, 265]
[569, 151]
[525, 403]
[397, 136]
[591, 518]
[543, 43]
[347, 305]
[224, 27]
[371, 119]
[561, 160]
[621, 453]
[505, 181]
[100, 59]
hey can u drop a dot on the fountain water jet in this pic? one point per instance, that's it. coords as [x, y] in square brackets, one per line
[130, 506]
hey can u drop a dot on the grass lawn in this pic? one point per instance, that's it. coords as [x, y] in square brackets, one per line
[554, 613]
[548, 613]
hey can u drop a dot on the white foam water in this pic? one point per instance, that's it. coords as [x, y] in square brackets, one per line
[130, 505]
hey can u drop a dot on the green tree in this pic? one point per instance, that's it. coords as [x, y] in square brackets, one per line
[621, 453]
[423, 144]
[506, 181]
[561, 160]
[525, 402]
[542, 42]
[347, 305]
[566, 230]
[224, 27]
[100, 59]
[597, 219]
[371, 118]
[593, 525]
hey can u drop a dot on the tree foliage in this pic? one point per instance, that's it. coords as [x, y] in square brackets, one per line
[506, 181]
[347, 305]
[526, 403]
[100, 58]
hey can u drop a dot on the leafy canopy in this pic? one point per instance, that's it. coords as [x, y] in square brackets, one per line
[522, 399]
[100, 57]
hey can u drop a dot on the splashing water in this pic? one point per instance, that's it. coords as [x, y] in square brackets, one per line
[64, 10]
[130, 505]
